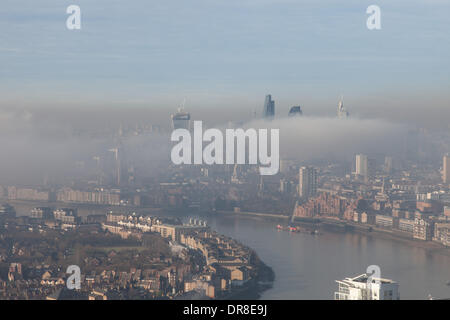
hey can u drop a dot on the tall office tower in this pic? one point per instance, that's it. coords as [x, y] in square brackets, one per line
[117, 172]
[285, 186]
[388, 164]
[362, 165]
[269, 107]
[371, 168]
[341, 111]
[295, 111]
[446, 167]
[181, 119]
[307, 182]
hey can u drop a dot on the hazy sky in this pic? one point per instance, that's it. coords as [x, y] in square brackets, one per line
[137, 60]
[227, 54]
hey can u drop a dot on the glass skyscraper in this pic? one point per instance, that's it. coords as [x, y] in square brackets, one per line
[269, 107]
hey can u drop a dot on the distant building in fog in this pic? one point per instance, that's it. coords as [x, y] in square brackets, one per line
[286, 164]
[97, 196]
[365, 167]
[7, 210]
[269, 107]
[388, 164]
[307, 185]
[362, 165]
[341, 111]
[181, 120]
[446, 169]
[285, 186]
[295, 111]
[66, 215]
[18, 193]
[41, 213]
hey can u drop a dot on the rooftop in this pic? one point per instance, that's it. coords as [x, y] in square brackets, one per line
[364, 277]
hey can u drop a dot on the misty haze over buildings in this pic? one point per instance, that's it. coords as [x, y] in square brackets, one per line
[53, 145]
[64, 95]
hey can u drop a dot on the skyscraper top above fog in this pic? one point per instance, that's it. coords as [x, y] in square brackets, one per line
[295, 111]
[181, 119]
[341, 111]
[269, 107]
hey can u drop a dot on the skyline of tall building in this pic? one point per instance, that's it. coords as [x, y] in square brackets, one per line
[269, 107]
[388, 164]
[181, 119]
[446, 168]
[362, 164]
[295, 111]
[117, 165]
[341, 111]
[307, 182]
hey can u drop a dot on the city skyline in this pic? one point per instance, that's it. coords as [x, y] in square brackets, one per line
[212, 149]
[311, 58]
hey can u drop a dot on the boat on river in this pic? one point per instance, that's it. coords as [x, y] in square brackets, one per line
[296, 229]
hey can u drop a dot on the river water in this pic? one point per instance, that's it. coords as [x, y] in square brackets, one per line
[306, 266]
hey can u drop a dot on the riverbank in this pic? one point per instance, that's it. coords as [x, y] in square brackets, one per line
[254, 214]
[369, 230]
[389, 235]
[307, 266]
[334, 225]
[253, 289]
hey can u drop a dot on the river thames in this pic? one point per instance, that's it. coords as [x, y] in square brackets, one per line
[306, 266]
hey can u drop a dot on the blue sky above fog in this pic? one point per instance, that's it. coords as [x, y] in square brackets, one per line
[144, 52]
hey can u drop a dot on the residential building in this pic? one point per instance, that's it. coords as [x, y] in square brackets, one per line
[307, 185]
[363, 287]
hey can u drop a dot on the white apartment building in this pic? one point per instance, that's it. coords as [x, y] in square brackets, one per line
[359, 288]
